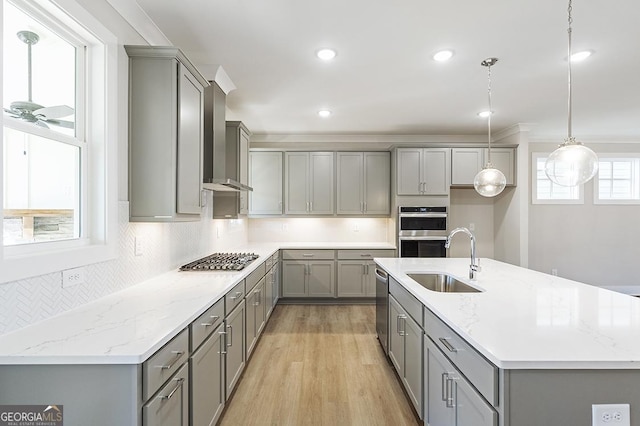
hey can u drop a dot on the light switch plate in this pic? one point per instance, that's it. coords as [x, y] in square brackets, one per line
[610, 415]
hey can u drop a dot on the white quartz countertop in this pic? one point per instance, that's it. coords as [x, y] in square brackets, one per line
[529, 320]
[128, 326]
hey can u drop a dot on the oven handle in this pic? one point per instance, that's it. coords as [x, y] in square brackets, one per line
[426, 215]
[429, 238]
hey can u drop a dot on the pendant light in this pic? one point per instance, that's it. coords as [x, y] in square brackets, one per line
[490, 181]
[572, 163]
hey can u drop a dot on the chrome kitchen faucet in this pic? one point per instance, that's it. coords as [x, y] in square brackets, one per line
[474, 268]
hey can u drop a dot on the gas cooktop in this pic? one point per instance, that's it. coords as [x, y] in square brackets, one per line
[221, 262]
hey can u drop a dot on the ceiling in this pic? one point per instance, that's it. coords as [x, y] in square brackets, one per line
[384, 79]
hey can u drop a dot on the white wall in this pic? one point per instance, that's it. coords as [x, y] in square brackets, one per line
[471, 210]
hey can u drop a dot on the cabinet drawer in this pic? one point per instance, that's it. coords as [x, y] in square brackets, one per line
[308, 254]
[202, 326]
[410, 304]
[255, 277]
[477, 369]
[164, 363]
[234, 297]
[171, 405]
[364, 254]
[275, 258]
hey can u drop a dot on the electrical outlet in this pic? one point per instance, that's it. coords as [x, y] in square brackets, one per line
[138, 246]
[472, 227]
[554, 271]
[610, 415]
[72, 277]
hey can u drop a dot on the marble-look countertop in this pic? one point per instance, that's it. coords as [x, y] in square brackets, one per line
[128, 326]
[525, 319]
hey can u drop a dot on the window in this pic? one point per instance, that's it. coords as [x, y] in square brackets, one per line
[58, 154]
[544, 191]
[618, 179]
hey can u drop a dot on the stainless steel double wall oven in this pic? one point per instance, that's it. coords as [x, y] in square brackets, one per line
[422, 231]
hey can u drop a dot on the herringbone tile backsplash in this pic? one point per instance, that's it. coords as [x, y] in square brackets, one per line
[166, 246]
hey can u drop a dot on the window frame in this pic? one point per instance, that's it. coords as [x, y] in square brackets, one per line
[99, 101]
[596, 180]
[535, 156]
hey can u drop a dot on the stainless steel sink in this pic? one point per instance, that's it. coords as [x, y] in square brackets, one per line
[442, 283]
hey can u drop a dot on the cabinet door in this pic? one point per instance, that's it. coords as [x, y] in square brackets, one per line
[171, 405]
[377, 183]
[321, 183]
[234, 341]
[268, 292]
[351, 278]
[504, 159]
[471, 409]
[206, 379]
[296, 181]
[243, 147]
[465, 165]
[408, 164]
[190, 128]
[277, 282]
[261, 307]
[350, 183]
[251, 331]
[294, 276]
[265, 177]
[320, 279]
[438, 401]
[370, 280]
[412, 375]
[436, 171]
[396, 338]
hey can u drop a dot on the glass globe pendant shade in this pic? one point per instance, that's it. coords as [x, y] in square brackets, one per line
[571, 164]
[489, 181]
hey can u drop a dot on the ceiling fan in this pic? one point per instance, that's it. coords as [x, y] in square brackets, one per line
[31, 111]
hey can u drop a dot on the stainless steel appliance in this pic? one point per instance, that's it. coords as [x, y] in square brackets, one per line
[382, 308]
[422, 231]
[221, 262]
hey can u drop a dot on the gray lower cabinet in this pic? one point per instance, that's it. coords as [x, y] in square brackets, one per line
[405, 351]
[170, 407]
[308, 273]
[256, 302]
[356, 272]
[272, 285]
[207, 380]
[234, 347]
[449, 398]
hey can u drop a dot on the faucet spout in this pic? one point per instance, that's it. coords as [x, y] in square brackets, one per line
[474, 268]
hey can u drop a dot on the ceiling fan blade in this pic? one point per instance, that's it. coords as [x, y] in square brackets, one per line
[62, 123]
[12, 112]
[57, 111]
[41, 124]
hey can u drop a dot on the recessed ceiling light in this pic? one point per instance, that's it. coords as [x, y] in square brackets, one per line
[324, 113]
[443, 55]
[485, 114]
[326, 54]
[581, 56]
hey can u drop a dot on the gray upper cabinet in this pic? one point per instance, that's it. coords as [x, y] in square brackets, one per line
[265, 177]
[423, 171]
[309, 183]
[238, 139]
[467, 162]
[165, 135]
[364, 181]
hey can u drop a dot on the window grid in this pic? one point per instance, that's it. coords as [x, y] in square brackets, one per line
[547, 192]
[618, 180]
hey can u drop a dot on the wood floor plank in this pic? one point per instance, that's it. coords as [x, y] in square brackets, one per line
[319, 365]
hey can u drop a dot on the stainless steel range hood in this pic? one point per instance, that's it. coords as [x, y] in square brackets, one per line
[215, 144]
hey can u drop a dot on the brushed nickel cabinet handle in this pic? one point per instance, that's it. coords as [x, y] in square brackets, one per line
[174, 390]
[449, 389]
[209, 324]
[449, 346]
[177, 354]
[443, 382]
[230, 336]
[223, 341]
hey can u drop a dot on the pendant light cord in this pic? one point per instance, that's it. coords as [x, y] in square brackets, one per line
[570, 21]
[490, 113]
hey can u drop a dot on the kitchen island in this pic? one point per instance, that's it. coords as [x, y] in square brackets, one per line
[534, 349]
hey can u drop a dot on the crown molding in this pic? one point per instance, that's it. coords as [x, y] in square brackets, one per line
[140, 21]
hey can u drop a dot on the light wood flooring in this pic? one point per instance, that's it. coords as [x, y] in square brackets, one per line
[319, 365]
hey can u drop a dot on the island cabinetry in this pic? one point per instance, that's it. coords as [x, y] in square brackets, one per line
[266, 178]
[423, 171]
[166, 107]
[363, 186]
[405, 341]
[461, 385]
[308, 273]
[309, 183]
[467, 162]
[356, 276]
